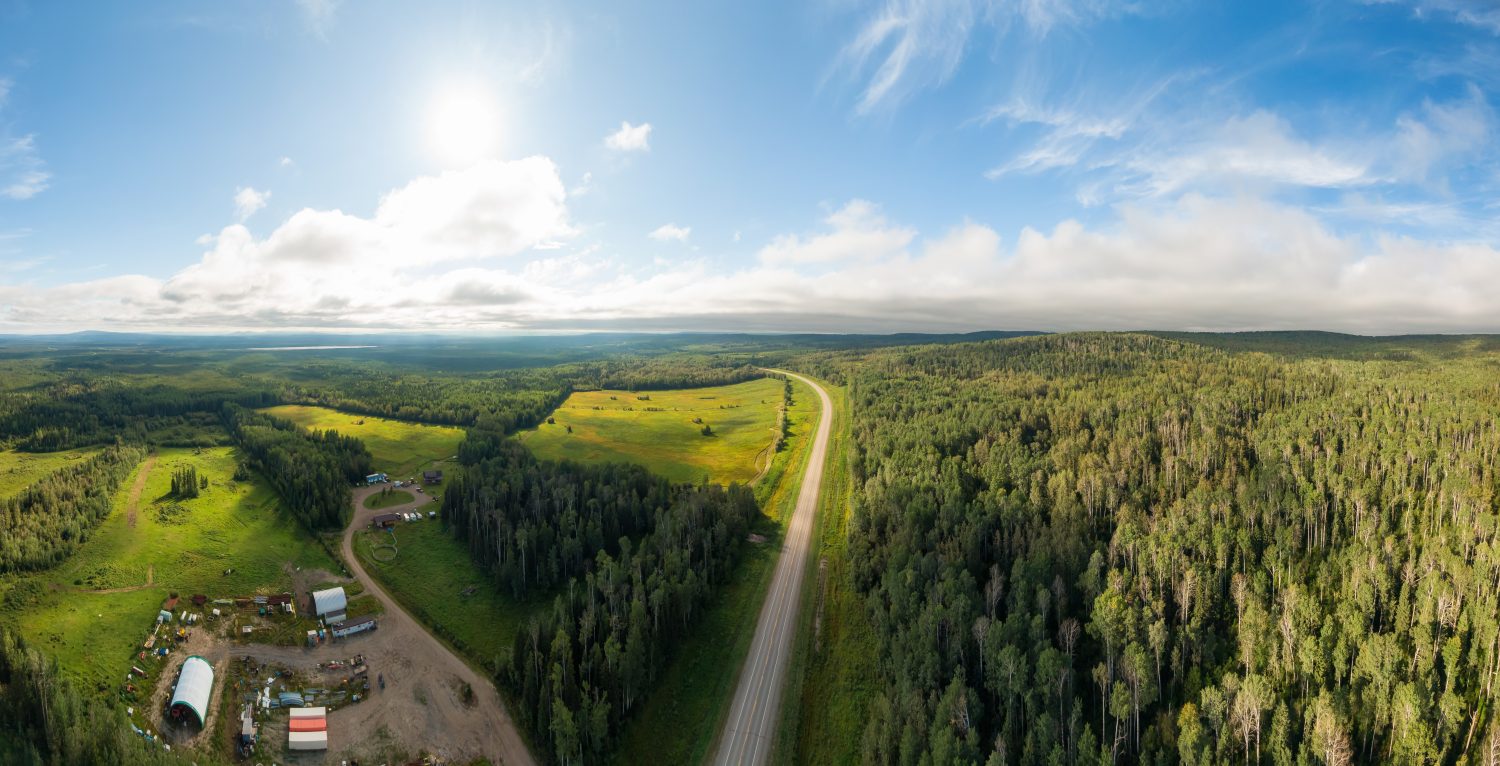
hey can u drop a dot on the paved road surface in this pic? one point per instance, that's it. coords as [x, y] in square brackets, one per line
[486, 726]
[749, 734]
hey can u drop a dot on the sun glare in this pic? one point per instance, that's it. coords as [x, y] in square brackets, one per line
[463, 125]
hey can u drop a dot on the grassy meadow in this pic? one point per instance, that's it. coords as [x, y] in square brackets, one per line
[19, 470]
[400, 449]
[389, 499]
[431, 574]
[91, 610]
[657, 429]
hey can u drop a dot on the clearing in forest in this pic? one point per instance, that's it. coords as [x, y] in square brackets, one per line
[91, 611]
[19, 470]
[399, 448]
[663, 430]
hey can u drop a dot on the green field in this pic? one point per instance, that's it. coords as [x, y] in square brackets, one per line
[431, 570]
[90, 611]
[19, 470]
[389, 499]
[400, 449]
[656, 429]
[681, 716]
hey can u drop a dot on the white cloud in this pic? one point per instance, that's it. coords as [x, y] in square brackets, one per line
[1197, 262]
[23, 175]
[1477, 13]
[1260, 148]
[286, 162]
[906, 45]
[858, 232]
[247, 201]
[319, 14]
[630, 138]
[672, 232]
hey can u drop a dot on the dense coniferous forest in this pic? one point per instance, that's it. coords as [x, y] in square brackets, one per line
[49, 519]
[46, 721]
[535, 524]
[311, 471]
[1120, 549]
[578, 673]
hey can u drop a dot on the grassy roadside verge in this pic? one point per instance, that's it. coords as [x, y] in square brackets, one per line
[682, 717]
[831, 675]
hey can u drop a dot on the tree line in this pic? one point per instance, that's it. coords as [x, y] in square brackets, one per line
[578, 673]
[45, 720]
[1089, 549]
[311, 471]
[47, 521]
[533, 523]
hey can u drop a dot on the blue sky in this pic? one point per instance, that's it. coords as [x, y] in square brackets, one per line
[828, 165]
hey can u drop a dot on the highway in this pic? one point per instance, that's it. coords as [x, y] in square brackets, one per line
[749, 732]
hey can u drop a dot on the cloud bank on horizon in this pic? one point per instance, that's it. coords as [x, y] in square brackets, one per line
[969, 164]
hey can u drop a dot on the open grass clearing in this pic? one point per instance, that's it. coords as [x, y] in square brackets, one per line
[434, 578]
[400, 449]
[91, 611]
[19, 470]
[662, 430]
[388, 499]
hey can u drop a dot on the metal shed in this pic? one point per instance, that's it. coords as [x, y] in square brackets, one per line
[194, 689]
[330, 604]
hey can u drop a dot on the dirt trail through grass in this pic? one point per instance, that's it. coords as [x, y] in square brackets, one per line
[135, 491]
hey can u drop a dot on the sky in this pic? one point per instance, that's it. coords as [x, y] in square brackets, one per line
[819, 166]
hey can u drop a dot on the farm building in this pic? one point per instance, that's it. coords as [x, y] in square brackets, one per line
[307, 729]
[375, 478]
[354, 626]
[432, 477]
[195, 686]
[386, 520]
[330, 604]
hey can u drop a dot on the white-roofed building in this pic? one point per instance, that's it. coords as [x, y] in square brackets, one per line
[330, 605]
[195, 686]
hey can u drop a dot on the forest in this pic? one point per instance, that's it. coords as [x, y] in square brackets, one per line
[576, 674]
[534, 524]
[1124, 549]
[632, 557]
[311, 472]
[45, 719]
[49, 519]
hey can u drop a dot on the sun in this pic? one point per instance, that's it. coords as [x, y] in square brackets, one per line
[463, 125]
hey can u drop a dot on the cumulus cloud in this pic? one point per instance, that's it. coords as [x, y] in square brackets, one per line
[1197, 262]
[671, 232]
[857, 231]
[630, 138]
[247, 201]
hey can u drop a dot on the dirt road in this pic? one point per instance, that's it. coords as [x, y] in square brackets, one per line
[749, 733]
[422, 706]
[428, 673]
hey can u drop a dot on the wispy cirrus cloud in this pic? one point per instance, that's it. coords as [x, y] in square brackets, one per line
[23, 174]
[902, 46]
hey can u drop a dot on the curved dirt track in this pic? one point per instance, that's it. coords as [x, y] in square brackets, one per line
[749, 732]
[428, 671]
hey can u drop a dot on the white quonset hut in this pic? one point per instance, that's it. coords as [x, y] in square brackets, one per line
[330, 605]
[195, 685]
